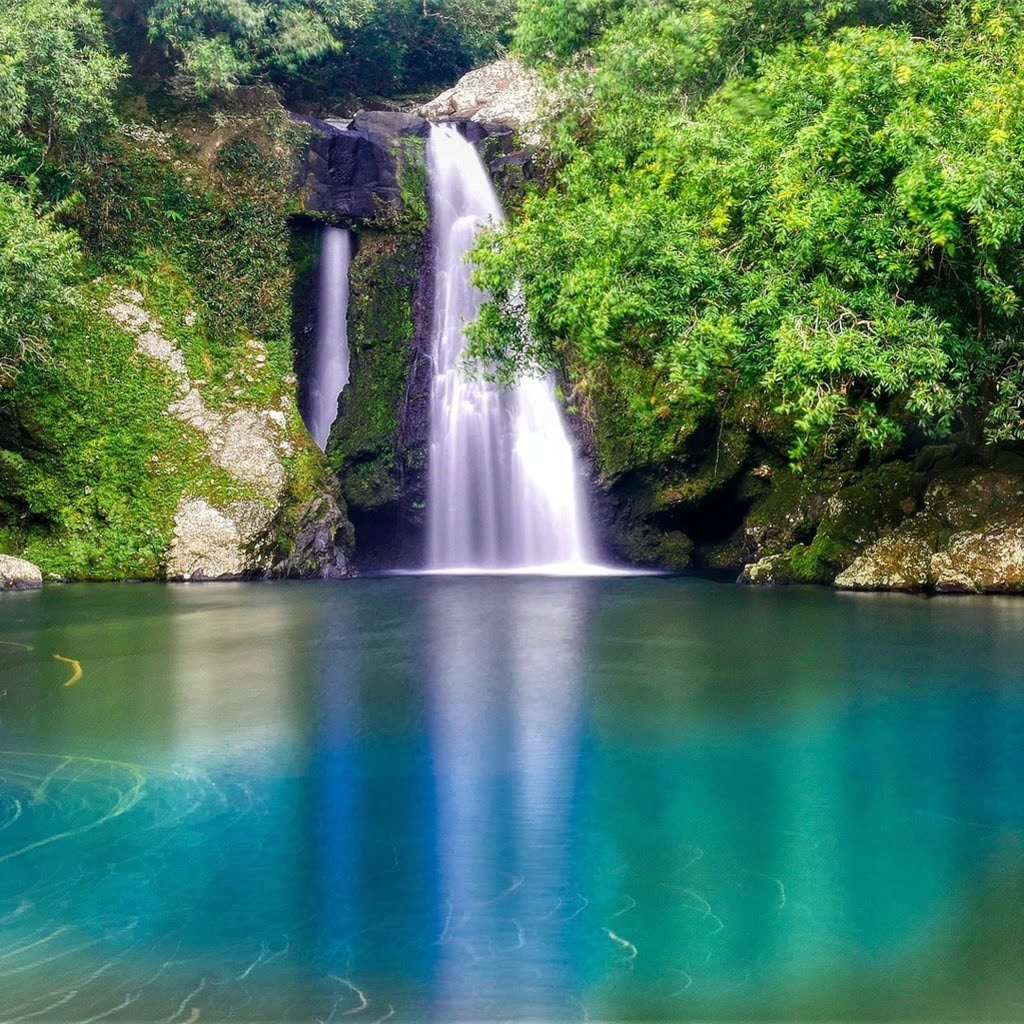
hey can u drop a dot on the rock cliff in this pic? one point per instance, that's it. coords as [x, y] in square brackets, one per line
[162, 439]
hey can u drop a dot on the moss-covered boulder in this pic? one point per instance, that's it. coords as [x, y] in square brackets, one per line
[968, 536]
[844, 523]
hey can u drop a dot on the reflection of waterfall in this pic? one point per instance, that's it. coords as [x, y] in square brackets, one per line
[504, 485]
[330, 357]
[505, 709]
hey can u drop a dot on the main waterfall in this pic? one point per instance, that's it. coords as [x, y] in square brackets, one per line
[504, 485]
[330, 357]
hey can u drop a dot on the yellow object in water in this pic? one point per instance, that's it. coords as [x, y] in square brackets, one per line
[76, 674]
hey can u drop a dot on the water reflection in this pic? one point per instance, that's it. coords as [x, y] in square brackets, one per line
[505, 697]
[517, 799]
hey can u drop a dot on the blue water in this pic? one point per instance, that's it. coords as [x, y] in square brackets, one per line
[509, 799]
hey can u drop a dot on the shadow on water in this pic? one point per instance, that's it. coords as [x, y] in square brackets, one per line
[509, 799]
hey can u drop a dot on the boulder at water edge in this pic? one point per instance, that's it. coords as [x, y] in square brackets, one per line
[17, 574]
[968, 538]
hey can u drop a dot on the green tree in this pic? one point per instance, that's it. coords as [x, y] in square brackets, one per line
[57, 75]
[837, 226]
[326, 46]
[38, 260]
[218, 44]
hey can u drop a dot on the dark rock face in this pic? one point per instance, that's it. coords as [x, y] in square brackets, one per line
[322, 540]
[370, 176]
[378, 444]
[355, 172]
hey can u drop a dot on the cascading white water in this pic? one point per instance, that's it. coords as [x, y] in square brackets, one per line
[504, 487]
[330, 357]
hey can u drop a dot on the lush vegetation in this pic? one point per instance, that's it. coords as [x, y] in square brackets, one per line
[193, 219]
[804, 214]
[818, 204]
[310, 49]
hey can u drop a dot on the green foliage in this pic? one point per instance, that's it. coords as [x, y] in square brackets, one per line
[208, 247]
[406, 45]
[56, 84]
[93, 493]
[56, 74]
[838, 224]
[92, 464]
[37, 261]
[222, 43]
[315, 49]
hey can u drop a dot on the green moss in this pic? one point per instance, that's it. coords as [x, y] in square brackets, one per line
[363, 447]
[850, 520]
[414, 185]
[92, 467]
[720, 463]
[634, 423]
[93, 496]
[818, 562]
[205, 238]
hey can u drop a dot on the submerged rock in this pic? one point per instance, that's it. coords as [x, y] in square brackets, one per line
[642, 544]
[17, 574]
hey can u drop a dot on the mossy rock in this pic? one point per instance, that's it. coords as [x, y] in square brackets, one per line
[364, 443]
[850, 521]
[724, 459]
[968, 537]
[644, 545]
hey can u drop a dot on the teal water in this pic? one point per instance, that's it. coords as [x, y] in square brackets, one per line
[509, 799]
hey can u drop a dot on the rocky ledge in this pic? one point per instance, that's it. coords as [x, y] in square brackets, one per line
[503, 93]
[945, 528]
[967, 538]
[17, 574]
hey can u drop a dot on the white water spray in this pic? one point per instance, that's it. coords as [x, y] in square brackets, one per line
[330, 357]
[504, 485]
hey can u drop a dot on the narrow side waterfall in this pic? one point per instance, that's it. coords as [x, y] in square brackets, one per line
[330, 357]
[504, 486]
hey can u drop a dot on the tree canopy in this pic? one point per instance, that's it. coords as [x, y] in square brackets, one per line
[821, 203]
[57, 80]
[57, 75]
[325, 46]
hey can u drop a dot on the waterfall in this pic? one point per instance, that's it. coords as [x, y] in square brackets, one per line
[504, 486]
[330, 357]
